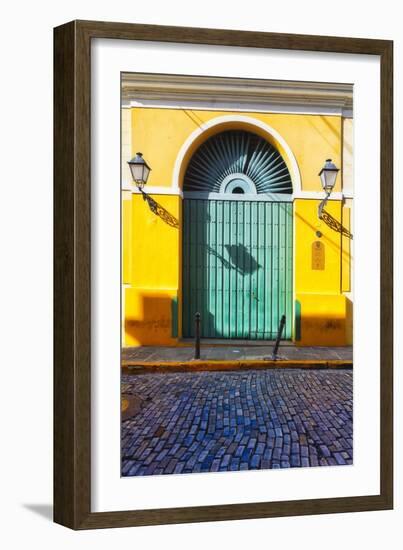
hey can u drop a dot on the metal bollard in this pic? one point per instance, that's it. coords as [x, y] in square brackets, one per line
[197, 335]
[279, 334]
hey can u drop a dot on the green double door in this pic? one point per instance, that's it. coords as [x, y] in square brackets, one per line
[237, 268]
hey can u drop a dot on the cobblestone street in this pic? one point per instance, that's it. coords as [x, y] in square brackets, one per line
[226, 421]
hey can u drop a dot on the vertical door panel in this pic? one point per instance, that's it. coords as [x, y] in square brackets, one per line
[237, 268]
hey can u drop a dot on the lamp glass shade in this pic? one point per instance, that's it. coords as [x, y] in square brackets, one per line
[328, 175]
[146, 172]
[139, 169]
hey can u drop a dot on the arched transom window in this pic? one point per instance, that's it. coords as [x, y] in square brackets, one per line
[237, 162]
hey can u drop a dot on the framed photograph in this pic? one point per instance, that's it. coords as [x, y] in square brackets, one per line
[222, 275]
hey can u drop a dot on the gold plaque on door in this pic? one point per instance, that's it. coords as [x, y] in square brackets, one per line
[318, 255]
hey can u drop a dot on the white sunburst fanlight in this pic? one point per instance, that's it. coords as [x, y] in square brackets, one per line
[237, 161]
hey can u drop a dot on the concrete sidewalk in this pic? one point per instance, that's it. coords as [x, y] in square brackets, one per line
[232, 352]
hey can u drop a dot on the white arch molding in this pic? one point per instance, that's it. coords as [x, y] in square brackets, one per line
[250, 121]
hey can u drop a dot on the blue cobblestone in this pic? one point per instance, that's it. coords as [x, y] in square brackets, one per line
[228, 421]
[255, 461]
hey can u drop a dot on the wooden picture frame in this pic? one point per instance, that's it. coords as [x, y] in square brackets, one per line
[72, 272]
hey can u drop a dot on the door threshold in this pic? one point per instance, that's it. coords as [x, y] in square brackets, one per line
[235, 343]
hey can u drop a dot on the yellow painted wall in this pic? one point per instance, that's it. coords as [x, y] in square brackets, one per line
[326, 315]
[346, 250]
[160, 133]
[152, 246]
[307, 223]
[154, 277]
[347, 266]
[348, 155]
[127, 239]
[324, 319]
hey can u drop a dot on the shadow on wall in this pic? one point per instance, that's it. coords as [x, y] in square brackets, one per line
[160, 211]
[241, 259]
[150, 319]
[324, 129]
[207, 326]
[320, 328]
[334, 224]
[349, 321]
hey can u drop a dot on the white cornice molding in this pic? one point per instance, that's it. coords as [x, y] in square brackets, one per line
[164, 190]
[151, 189]
[202, 92]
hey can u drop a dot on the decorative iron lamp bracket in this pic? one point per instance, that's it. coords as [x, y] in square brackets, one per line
[322, 205]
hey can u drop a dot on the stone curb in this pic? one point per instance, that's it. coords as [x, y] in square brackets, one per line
[134, 367]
